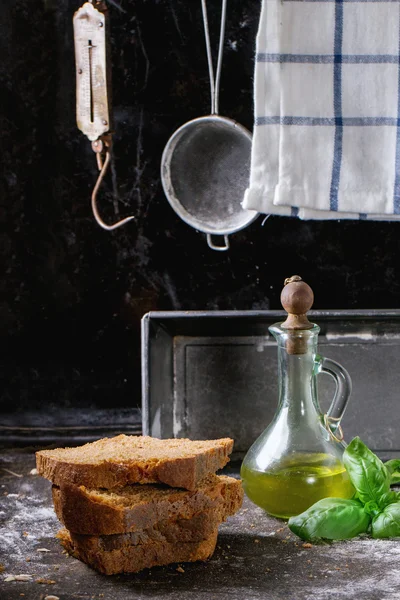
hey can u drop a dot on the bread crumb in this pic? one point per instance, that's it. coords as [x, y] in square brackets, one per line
[22, 577]
[28, 559]
[256, 541]
[42, 550]
[33, 472]
[307, 545]
[25, 533]
[47, 581]
[252, 525]
[279, 530]
[51, 598]
[180, 570]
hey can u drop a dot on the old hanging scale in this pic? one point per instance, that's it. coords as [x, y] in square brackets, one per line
[93, 95]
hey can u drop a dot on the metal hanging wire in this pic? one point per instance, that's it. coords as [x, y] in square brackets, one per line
[214, 83]
[100, 147]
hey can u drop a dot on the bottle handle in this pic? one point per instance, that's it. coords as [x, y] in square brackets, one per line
[338, 405]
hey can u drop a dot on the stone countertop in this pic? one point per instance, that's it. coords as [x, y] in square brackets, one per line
[257, 557]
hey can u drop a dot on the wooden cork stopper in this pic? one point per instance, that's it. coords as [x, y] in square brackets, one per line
[297, 298]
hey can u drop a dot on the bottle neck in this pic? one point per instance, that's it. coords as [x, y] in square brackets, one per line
[297, 371]
[296, 382]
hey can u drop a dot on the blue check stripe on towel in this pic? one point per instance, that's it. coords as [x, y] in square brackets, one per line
[329, 121]
[396, 199]
[327, 59]
[333, 67]
[347, 1]
[337, 105]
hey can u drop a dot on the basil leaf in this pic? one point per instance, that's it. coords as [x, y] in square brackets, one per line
[393, 466]
[331, 519]
[389, 498]
[387, 524]
[367, 472]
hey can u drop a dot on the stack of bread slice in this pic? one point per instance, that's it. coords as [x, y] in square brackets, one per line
[129, 503]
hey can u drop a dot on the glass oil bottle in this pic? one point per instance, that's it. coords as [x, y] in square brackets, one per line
[297, 460]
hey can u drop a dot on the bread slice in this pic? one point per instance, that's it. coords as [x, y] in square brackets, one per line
[196, 529]
[131, 558]
[122, 460]
[137, 507]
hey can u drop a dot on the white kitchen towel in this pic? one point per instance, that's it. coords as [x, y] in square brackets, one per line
[326, 139]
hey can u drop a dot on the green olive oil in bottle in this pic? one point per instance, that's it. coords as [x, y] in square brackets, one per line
[297, 460]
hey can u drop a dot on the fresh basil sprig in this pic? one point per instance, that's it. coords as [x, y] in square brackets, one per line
[375, 506]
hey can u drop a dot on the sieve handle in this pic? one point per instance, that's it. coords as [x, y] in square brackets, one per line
[214, 84]
[214, 246]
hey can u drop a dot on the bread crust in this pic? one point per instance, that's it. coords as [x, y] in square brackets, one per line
[134, 558]
[156, 461]
[84, 511]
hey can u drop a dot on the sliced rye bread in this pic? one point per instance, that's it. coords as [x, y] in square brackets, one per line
[134, 558]
[122, 460]
[137, 507]
[197, 529]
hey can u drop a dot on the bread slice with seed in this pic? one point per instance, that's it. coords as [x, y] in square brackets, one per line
[136, 507]
[131, 558]
[122, 460]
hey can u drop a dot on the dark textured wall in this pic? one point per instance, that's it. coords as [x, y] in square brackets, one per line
[73, 294]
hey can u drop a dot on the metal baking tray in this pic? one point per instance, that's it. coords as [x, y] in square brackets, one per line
[62, 427]
[214, 374]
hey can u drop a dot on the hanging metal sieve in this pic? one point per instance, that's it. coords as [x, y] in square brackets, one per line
[205, 165]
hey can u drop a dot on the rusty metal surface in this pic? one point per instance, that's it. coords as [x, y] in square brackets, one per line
[256, 558]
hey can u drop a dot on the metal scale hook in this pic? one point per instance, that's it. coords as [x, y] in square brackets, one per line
[103, 146]
[93, 91]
